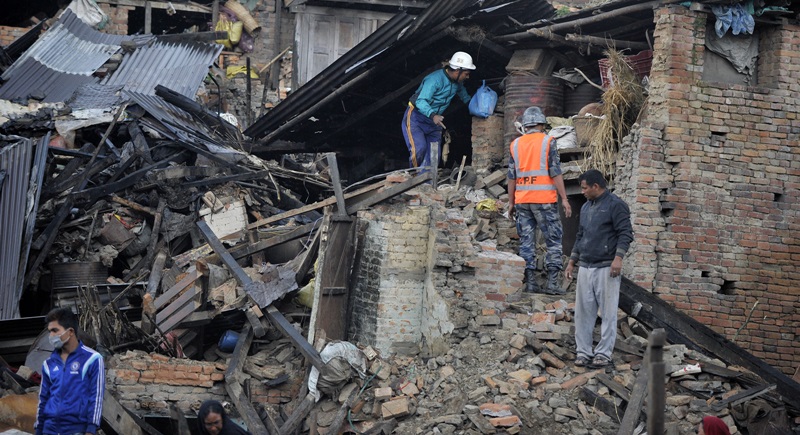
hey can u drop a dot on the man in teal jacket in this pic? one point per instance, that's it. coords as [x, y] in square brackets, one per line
[423, 120]
[73, 381]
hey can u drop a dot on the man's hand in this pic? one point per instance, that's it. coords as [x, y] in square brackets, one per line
[512, 211]
[616, 267]
[569, 269]
[567, 208]
[437, 119]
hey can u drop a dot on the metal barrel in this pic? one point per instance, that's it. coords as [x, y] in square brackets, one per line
[523, 91]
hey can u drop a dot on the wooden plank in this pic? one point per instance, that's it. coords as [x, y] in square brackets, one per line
[330, 308]
[308, 260]
[614, 386]
[178, 6]
[251, 249]
[333, 167]
[383, 195]
[295, 421]
[245, 408]
[185, 297]
[178, 317]
[749, 394]
[638, 393]
[682, 329]
[122, 420]
[657, 395]
[239, 353]
[187, 280]
[272, 313]
[602, 404]
[311, 207]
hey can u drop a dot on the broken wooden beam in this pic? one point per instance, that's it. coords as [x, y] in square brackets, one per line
[122, 420]
[234, 388]
[638, 393]
[680, 328]
[390, 192]
[333, 167]
[602, 404]
[295, 421]
[275, 316]
[315, 206]
[657, 395]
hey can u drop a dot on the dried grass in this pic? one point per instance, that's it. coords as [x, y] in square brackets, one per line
[622, 102]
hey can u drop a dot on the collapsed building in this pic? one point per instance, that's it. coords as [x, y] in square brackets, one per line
[129, 195]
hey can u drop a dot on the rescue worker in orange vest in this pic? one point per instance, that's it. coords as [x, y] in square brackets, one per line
[534, 185]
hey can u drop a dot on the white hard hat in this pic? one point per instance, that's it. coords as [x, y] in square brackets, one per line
[461, 60]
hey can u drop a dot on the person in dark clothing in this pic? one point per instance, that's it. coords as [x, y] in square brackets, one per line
[213, 420]
[604, 236]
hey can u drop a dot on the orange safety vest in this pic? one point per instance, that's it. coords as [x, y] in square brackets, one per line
[534, 184]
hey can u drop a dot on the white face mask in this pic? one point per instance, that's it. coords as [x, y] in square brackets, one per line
[55, 340]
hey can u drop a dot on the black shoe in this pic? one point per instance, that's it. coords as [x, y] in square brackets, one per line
[552, 283]
[600, 362]
[530, 282]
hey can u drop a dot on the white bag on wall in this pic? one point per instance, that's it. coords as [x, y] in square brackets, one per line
[89, 13]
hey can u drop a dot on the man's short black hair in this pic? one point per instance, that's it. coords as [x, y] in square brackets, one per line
[592, 177]
[64, 316]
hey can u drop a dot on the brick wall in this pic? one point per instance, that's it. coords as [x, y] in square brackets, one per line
[713, 188]
[117, 18]
[421, 279]
[148, 383]
[387, 311]
[10, 34]
[488, 149]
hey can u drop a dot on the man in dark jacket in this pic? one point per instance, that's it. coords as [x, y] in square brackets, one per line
[604, 236]
[73, 381]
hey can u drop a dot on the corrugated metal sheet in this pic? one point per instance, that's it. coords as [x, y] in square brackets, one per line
[388, 49]
[64, 58]
[180, 67]
[15, 160]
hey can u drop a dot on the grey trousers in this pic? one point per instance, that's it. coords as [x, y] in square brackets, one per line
[596, 289]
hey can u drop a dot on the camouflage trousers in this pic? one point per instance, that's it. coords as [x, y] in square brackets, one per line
[546, 218]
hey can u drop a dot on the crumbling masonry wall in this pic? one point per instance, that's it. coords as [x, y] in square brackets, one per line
[387, 306]
[713, 188]
[421, 279]
[149, 383]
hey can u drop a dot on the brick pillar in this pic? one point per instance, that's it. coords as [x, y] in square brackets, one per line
[387, 299]
[488, 151]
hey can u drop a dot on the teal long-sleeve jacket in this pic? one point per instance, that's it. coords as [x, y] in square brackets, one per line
[436, 92]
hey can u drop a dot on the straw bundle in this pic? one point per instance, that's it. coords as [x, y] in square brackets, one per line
[622, 102]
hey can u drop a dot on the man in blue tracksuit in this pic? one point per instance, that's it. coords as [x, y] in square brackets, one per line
[73, 381]
[604, 236]
[423, 120]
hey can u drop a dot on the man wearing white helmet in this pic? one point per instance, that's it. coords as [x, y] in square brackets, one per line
[534, 185]
[423, 120]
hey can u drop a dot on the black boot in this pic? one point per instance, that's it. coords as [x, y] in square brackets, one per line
[553, 287]
[530, 282]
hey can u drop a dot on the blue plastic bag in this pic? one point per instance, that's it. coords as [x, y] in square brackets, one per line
[483, 102]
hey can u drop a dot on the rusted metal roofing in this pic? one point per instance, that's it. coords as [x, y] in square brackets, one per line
[66, 56]
[179, 66]
[18, 203]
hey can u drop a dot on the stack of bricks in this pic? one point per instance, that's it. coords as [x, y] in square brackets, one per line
[498, 274]
[149, 382]
[10, 34]
[488, 149]
[713, 188]
[278, 395]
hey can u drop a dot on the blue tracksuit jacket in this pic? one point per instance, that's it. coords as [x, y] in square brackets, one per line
[71, 395]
